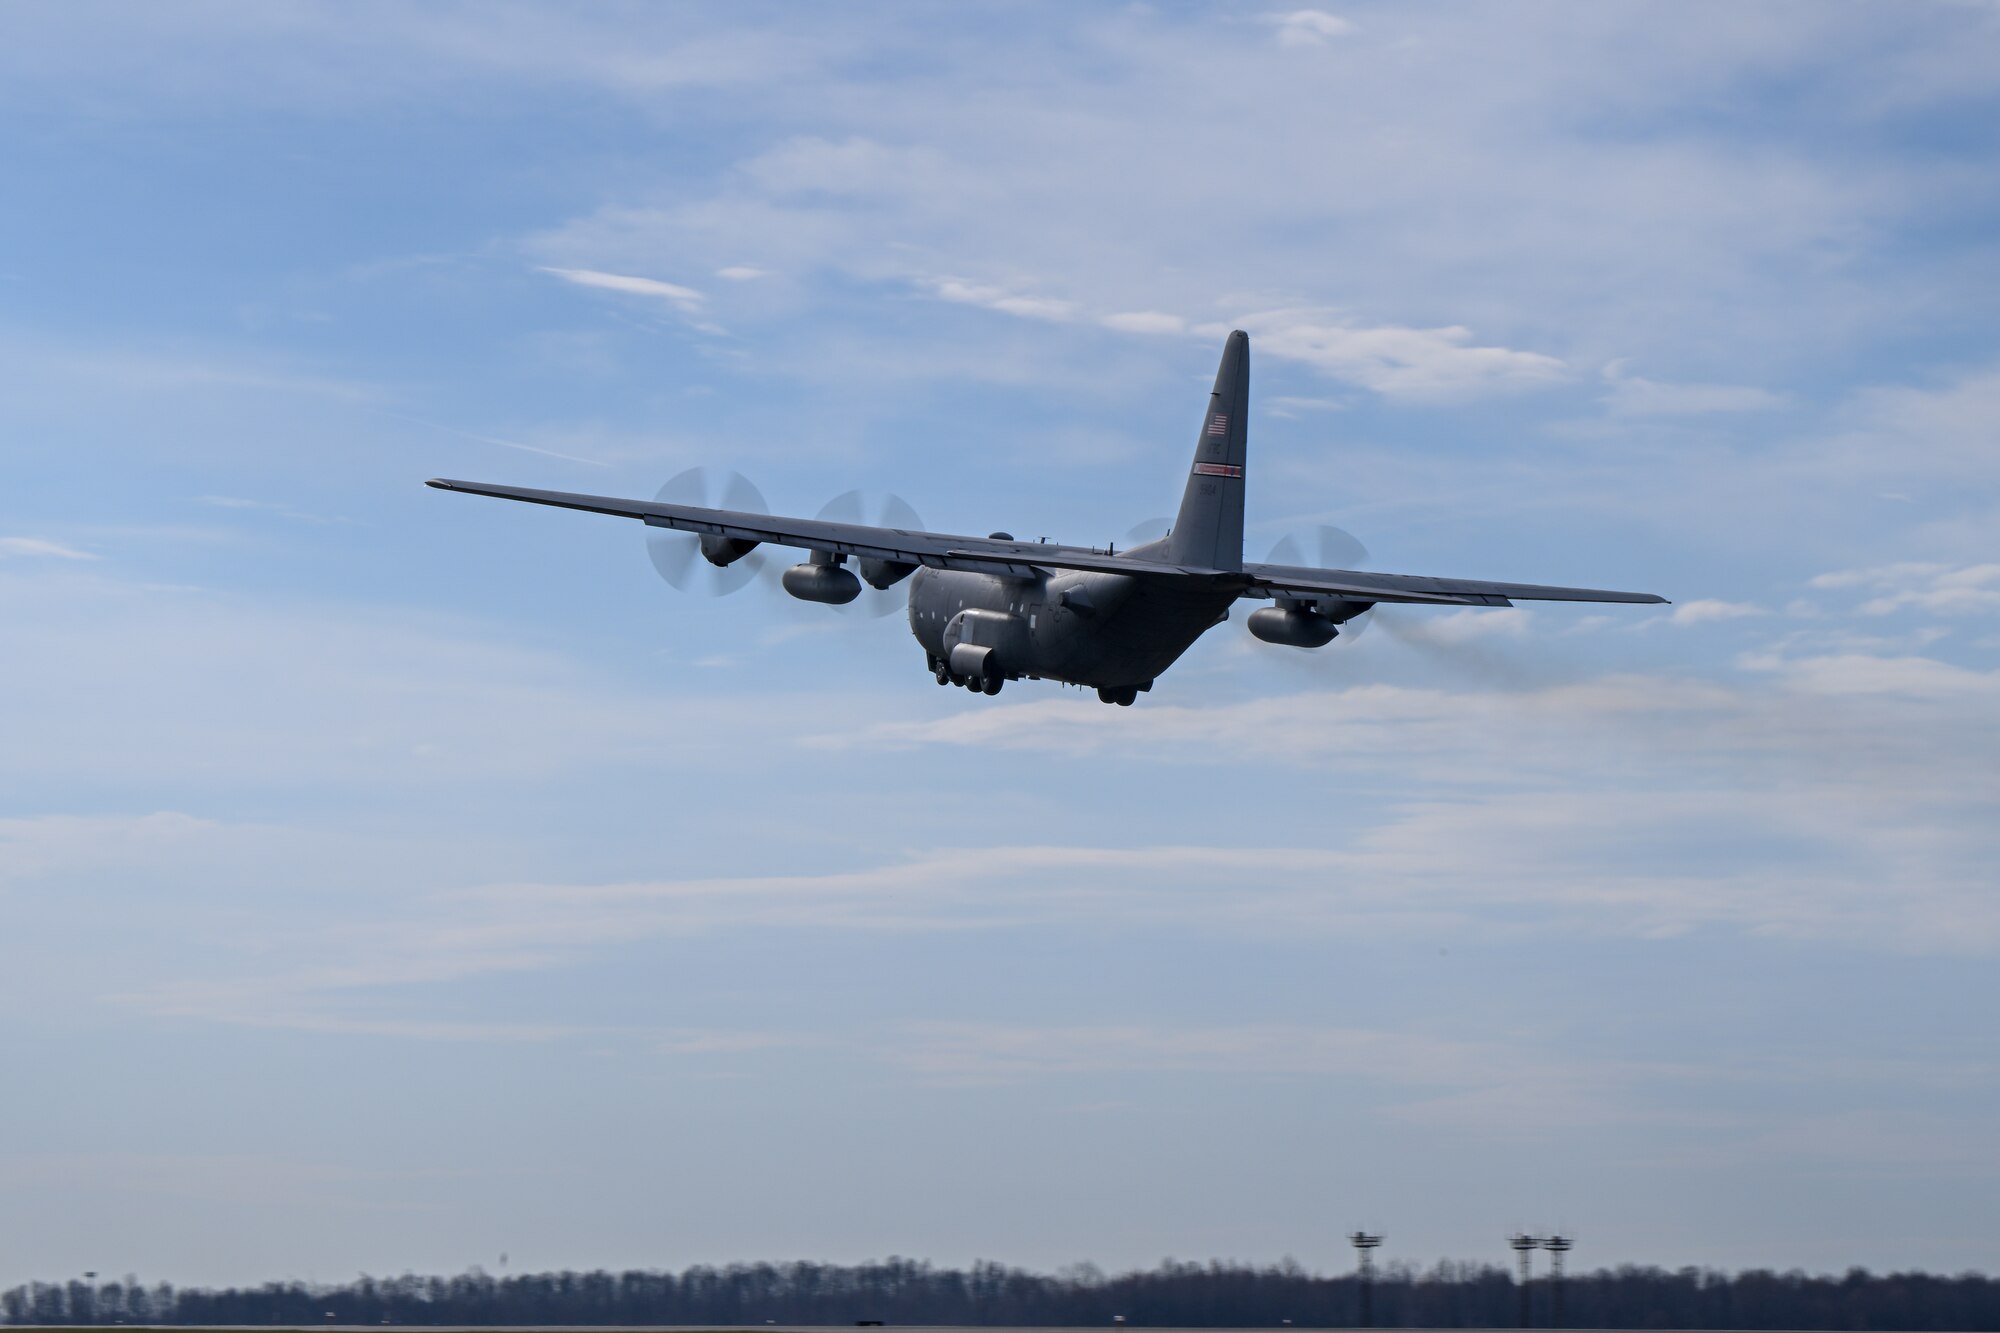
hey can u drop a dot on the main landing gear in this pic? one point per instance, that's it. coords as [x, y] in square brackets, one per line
[977, 684]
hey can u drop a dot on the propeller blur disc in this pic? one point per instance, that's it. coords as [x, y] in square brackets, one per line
[677, 555]
[1333, 548]
[885, 511]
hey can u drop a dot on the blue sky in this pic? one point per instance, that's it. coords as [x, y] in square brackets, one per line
[394, 879]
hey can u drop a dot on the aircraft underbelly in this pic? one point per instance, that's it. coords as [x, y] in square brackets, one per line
[1145, 634]
[1085, 628]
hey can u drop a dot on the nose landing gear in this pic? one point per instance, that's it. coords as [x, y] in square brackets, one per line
[1122, 696]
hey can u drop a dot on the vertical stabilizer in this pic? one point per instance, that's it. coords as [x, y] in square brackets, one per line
[1209, 531]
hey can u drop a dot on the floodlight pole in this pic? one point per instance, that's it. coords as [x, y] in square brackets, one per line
[1364, 1245]
[1557, 1245]
[1525, 1247]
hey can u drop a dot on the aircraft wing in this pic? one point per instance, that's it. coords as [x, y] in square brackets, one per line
[986, 555]
[1360, 586]
[992, 555]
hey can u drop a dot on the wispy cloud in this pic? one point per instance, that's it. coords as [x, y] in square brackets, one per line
[41, 548]
[685, 299]
[247, 505]
[1867, 674]
[992, 1050]
[1705, 611]
[1308, 27]
[236, 691]
[1941, 589]
[1289, 406]
[1902, 433]
[1633, 396]
[1469, 626]
[1435, 865]
[499, 442]
[42, 361]
[1145, 321]
[1396, 361]
[856, 167]
[1510, 1085]
[1006, 302]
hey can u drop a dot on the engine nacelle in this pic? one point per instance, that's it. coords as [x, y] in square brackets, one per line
[1293, 626]
[1342, 610]
[720, 550]
[884, 573]
[822, 583]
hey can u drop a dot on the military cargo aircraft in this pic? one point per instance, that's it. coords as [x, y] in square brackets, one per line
[993, 609]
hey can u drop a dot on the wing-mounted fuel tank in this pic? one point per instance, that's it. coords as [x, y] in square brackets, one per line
[991, 645]
[821, 579]
[1303, 624]
[1293, 626]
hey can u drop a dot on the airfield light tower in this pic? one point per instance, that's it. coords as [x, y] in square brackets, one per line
[1525, 1246]
[1557, 1245]
[1364, 1244]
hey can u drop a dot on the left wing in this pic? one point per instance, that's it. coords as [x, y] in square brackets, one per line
[985, 555]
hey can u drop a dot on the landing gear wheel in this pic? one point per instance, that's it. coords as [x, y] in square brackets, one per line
[943, 676]
[992, 685]
[1122, 697]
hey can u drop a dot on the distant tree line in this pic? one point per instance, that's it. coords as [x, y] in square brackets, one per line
[906, 1291]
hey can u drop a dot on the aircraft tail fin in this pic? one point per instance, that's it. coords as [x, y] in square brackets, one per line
[1209, 530]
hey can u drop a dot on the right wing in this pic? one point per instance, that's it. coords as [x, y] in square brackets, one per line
[1360, 586]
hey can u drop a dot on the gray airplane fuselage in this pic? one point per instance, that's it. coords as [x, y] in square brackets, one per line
[1116, 632]
[1110, 631]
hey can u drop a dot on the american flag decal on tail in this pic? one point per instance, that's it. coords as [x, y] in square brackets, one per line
[1217, 470]
[1218, 424]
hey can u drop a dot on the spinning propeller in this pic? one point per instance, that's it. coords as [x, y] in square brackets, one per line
[879, 597]
[1333, 548]
[680, 557]
[1144, 531]
[714, 566]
